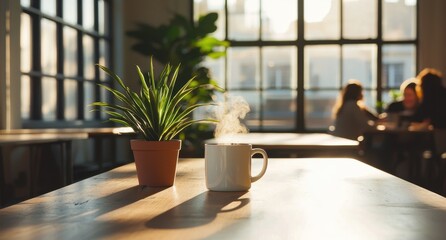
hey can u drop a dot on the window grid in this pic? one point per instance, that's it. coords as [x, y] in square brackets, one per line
[301, 43]
[36, 117]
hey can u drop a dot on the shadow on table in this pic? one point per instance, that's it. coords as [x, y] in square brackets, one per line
[78, 208]
[198, 211]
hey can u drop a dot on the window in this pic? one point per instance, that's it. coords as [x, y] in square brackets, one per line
[290, 69]
[61, 41]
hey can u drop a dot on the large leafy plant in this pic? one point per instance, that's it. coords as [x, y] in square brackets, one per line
[182, 41]
[156, 112]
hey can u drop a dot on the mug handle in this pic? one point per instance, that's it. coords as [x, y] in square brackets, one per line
[265, 162]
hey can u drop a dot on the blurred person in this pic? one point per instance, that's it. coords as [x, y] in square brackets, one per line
[403, 111]
[432, 93]
[352, 117]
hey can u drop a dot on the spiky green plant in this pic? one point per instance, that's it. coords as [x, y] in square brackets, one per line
[157, 112]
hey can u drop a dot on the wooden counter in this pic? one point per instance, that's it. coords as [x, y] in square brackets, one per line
[296, 199]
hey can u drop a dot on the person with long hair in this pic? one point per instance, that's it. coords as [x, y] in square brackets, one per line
[432, 110]
[352, 117]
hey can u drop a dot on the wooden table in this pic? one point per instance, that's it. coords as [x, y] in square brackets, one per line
[295, 144]
[35, 139]
[91, 132]
[317, 198]
[36, 142]
[97, 134]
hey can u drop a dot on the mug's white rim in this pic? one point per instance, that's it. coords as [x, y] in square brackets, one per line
[228, 144]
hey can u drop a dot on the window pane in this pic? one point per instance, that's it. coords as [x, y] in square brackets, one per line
[243, 68]
[279, 109]
[104, 58]
[360, 19]
[103, 17]
[49, 98]
[70, 51]
[25, 92]
[252, 119]
[88, 14]
[342, 44]
[322, 19]
[279, 67]
[398, 64]
[318, 108]
[243, 20]
[388, 97]
[56, 19]
[25, 43]
[25, 3]
[49, 53]
[70, 11]
[322, 67]
[216, 69]
[70, 92]
[399, 19]
[370, 99]
[88, 99]
[202, 7]
[48, 7]
[359, 62]
[279, 20]
[89, 64]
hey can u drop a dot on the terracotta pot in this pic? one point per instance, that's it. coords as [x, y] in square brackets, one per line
[156, 161]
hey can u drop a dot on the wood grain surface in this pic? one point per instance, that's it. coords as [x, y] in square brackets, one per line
[317, 198]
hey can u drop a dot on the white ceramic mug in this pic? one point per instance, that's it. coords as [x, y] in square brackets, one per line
[228, 166]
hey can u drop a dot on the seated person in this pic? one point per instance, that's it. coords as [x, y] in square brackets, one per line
[432, 110]
[352, 118]
[403, 111]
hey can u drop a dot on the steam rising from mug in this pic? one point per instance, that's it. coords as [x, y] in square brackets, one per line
[229, 115]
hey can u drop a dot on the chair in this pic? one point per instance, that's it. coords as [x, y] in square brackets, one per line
[397, 152]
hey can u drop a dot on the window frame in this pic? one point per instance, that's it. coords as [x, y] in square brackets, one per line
[35, 74]
[301, 43]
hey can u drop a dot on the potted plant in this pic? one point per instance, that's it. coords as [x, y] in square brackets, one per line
[188, 42]
[157, 113]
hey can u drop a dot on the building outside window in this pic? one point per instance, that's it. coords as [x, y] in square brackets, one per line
[290, 69]
[61, 41]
